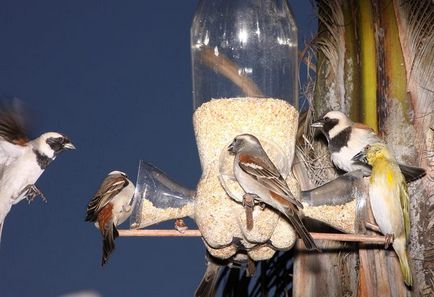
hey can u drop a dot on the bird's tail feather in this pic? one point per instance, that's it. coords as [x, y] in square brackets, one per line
[401, 251]
[207, 285]
[301, 229]
[109, 233]
[411, 173]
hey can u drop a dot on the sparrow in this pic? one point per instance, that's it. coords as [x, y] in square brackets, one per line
[258, 176]
[346, 138]
[389, 200]
[109, 207]
[22, 161]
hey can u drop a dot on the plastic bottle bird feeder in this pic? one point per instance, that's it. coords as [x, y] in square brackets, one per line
[157, 198]
[244, 58]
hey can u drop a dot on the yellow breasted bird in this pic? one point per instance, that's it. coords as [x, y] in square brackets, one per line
[389, 199]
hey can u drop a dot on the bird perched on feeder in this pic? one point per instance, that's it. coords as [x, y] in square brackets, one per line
[22, 161]
[389, 200]
[346, 138]
[258, 176]
[110, 207]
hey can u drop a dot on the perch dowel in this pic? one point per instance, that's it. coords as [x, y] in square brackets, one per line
[196, 233]
[159, 233]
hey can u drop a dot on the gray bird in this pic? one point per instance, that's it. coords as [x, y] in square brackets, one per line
[110, 207]
[257, 175]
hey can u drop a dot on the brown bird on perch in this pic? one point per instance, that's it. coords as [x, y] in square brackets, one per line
[109, 207]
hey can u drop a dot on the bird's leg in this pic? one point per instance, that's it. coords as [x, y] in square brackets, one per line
[389, 240]
[31, 192]
[180, 225]
[249, 203]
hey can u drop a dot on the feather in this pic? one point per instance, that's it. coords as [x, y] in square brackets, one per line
[405, 206]
[400, 247]
[268, 175]
[207, 285]
[411, 173]
[12, 123]
[111, 186]
[300, 229]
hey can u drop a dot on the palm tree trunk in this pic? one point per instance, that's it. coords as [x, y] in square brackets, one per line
[386, 48]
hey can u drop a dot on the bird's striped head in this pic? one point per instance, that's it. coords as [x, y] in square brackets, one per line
[52, 143]
[332, 123]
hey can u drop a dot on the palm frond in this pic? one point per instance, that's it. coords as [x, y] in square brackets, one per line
[330, 43]
[416, 26]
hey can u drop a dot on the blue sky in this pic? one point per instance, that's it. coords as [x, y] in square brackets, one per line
[115, 77]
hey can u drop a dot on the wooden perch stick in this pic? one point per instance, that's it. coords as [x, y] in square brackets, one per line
[159, 233]
[196, 233]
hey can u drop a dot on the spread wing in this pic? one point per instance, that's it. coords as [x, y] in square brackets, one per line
[13, 138]
[267, 174]
[110, 187]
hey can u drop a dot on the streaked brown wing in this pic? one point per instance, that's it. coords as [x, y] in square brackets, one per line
[267, 175]
[109, 188]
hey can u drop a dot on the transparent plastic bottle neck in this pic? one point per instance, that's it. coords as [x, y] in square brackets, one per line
[244, 48]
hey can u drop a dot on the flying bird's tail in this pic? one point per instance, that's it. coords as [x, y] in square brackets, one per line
[399, 245]
[301, 229]
[109, 234]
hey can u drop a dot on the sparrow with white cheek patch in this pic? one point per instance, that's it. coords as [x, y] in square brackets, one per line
[110, 207]
[346, 138]
[22, 161]
[257, 175]
[389, 200]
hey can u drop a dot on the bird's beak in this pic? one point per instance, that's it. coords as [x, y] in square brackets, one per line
[231, 147]
[360, 157]
[318, 124]
[69, 146]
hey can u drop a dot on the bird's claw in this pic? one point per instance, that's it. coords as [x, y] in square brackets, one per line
[249, 204]
[248, 200]
[31, 192]
[180, 226]
[389, 240]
